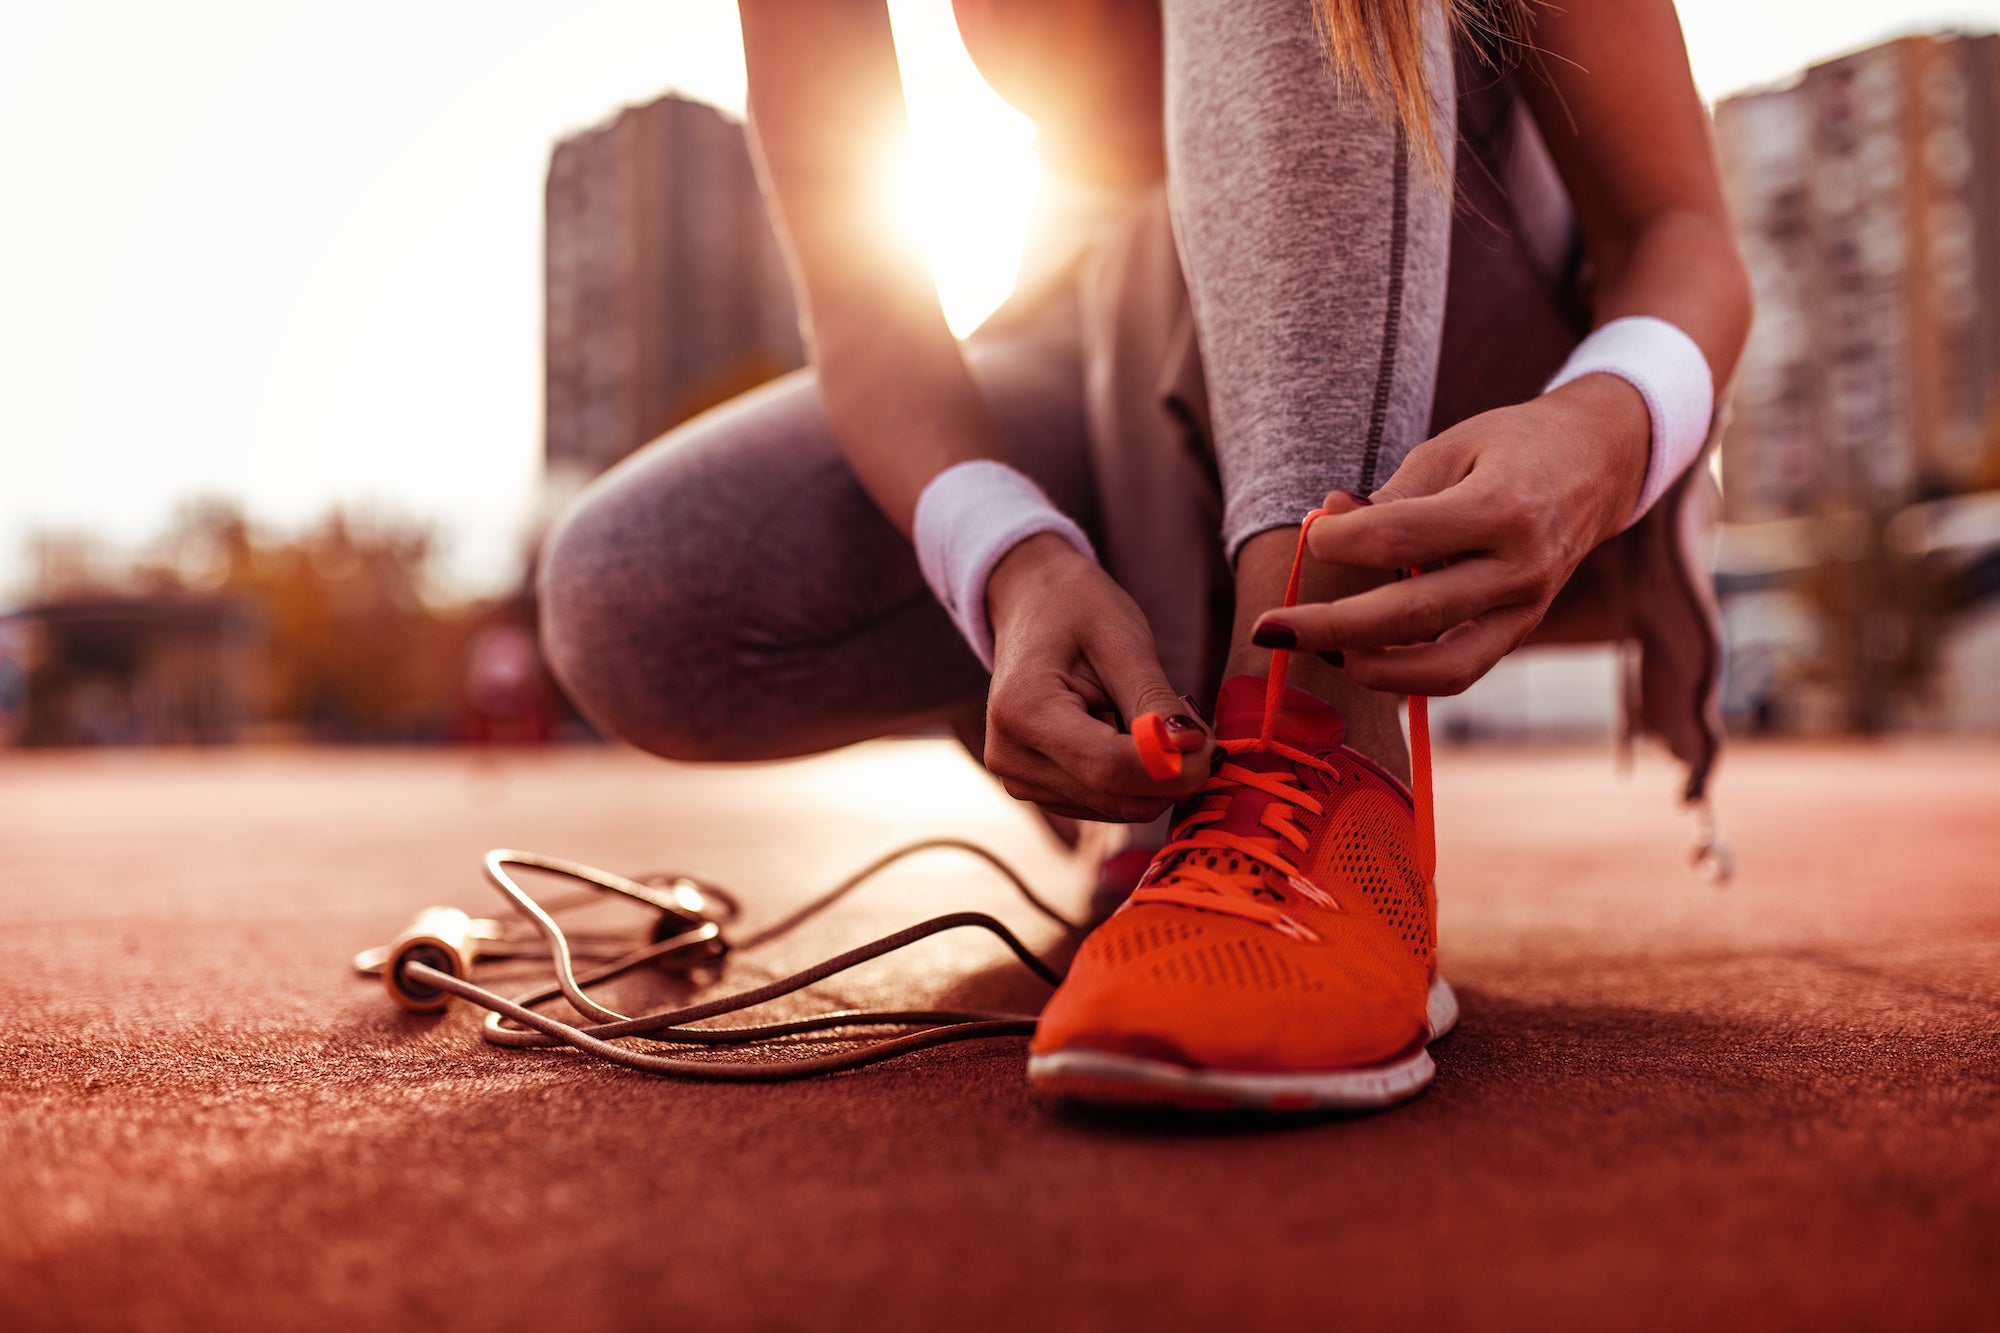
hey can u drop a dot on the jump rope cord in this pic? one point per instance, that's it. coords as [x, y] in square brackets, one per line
[568, 986]
[732, 1071]
[936, 1027]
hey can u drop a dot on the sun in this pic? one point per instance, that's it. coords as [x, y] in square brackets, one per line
[966, 186]
[970, 211]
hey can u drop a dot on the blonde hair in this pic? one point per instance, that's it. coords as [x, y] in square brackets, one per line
[1379, 47]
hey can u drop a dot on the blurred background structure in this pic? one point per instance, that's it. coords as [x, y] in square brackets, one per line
[217, 633]
[665, 291]
[1858, 565]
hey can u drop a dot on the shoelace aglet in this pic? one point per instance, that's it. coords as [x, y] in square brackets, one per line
[1157, 752]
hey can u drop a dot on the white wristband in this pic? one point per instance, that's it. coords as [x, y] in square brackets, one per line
[969, 517]
[1670, 373]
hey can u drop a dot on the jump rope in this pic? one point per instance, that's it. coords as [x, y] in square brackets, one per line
[431, 962]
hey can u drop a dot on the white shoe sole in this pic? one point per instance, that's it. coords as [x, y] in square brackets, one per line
[1106, 1079]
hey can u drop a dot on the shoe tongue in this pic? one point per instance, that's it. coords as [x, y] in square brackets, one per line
[1305, 721]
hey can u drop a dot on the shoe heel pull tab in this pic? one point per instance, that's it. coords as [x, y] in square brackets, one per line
[1712, 859]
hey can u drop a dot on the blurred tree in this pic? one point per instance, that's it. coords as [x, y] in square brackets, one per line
[354, 649]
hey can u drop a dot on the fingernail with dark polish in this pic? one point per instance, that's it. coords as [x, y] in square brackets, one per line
[1195, 708]
[1360, 501]
[1181, 722]
[1275, 636]
[1336, 658]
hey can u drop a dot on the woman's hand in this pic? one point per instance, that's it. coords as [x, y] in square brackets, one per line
[1072, 649]
[1512, 499]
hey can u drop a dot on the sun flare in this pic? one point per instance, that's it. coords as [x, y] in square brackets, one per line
[967, 186]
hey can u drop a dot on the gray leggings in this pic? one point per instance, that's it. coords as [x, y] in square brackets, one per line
[730, 592]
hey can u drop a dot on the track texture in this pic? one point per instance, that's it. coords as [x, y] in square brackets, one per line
[1773, 1106]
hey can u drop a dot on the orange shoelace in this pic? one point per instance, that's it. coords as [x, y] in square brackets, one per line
[1188, 883]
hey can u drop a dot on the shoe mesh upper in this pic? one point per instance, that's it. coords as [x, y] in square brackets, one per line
[1369, 848]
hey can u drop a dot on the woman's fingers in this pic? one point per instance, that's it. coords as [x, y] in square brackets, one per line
[1450, 665]
[1132, 810]
[1055, 753]
[1030, 776]
[1418, 530]
[1129, 668]
[1412, 611]
[1080, 650]
[1092, 762]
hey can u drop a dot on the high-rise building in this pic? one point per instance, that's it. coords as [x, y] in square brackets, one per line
[1867, 195]
[665, 289]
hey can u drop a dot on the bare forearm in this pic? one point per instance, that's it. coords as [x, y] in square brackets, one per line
[898, 396]
[1614, 98]
[826, 112]
[1679, 267]
[1685, 268]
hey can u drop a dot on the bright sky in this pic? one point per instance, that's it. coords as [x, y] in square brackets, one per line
[291, 252]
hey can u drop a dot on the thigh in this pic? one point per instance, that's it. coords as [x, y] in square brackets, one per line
[730, 591]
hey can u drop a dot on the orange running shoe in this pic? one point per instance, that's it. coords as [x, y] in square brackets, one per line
[1280, 952]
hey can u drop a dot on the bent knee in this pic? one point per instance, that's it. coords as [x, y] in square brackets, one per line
[631, 632]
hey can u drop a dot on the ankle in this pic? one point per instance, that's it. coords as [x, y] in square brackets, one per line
[1374, 726]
